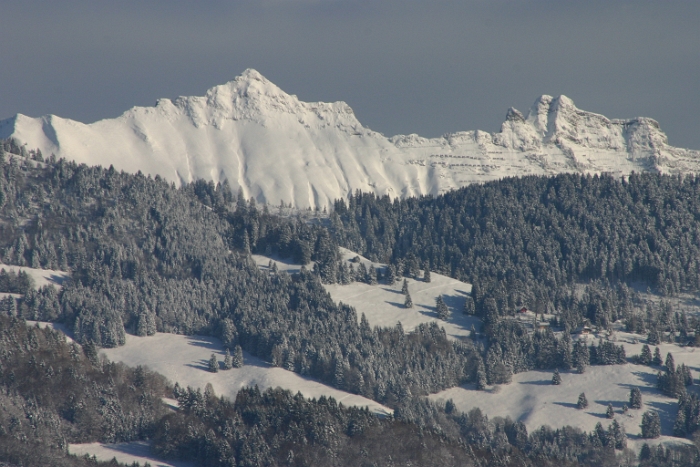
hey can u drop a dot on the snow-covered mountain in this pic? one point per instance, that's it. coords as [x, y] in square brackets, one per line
[278, 148]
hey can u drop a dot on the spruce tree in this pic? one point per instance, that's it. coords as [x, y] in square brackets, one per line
[443, 312]
[616, 434]
[408, 303]
[635, 398]
[610, 412]
[390, 275]
[237, 357]
[404, 287]
[556, 378]
[645, 357]
[670, 363]
[657, 361]
[213, 364]
[651, 425]
[481, 378]
[426, 273]
[582, 401]
[469, 307]
[228, 363]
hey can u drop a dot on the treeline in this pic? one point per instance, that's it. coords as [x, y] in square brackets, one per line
[145, 256]
[526, 240]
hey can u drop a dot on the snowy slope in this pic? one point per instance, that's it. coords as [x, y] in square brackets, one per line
[277, 148]
[532, 398]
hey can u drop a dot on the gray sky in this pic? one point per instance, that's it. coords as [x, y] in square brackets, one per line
[409, 66]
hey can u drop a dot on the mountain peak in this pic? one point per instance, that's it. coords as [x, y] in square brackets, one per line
[275, 147]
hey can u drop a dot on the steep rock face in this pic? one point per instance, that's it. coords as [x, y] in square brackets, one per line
[277, 148]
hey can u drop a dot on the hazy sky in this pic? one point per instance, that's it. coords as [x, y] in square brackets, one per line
[409, 66]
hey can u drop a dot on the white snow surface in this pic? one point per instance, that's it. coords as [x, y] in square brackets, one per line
[184, 359]
[278, 148]
[532, 398]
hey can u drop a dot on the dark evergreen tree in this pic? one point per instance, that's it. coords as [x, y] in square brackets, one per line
[426, 273]
[443, 312]
[556, 378]
[213, 364]
[408, 303]
[228, 362]
[651, 425]
[237, 357]
[645, 358]
[581, 357]
[582, 402]
[610, 412]
[404, 287]
[481, 380]
[469, 308]
[657, 361]
[635, 398]
[390, 276]
[616, 434]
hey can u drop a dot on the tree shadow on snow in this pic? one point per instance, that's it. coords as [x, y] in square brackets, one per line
[200, 365]
[568, 405]
[205, 342]
[543, 382]
[617, 404]
[387, 289]
[396, 304]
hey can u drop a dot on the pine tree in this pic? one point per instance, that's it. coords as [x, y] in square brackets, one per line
[469, 308]
[635, 398]
[610, 412]
[680, 428]
[443, 312]
[651, 425]
[228, 363]
[408, 303]
[404, 287]
[213, 364]
[556, 378]
[480, 376]
[653, 337]
[645, 357]
[237, 357]
[581, 357]
[657, 361]
[616, 433]
[670, 363]
[426, 273]
[390, 275]
[582, 401]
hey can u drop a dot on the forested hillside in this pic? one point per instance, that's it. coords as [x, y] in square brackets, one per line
[527, 241]
[145, 256]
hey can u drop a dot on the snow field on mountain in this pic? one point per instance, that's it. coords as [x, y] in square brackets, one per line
[275, 147]
[184, 359]
[532, 398]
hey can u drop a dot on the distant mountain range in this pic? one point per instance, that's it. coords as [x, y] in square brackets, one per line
[277, 148]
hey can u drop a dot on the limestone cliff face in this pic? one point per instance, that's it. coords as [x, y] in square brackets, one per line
[278, 148]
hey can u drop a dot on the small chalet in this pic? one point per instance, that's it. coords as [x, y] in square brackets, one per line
[523, 310]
